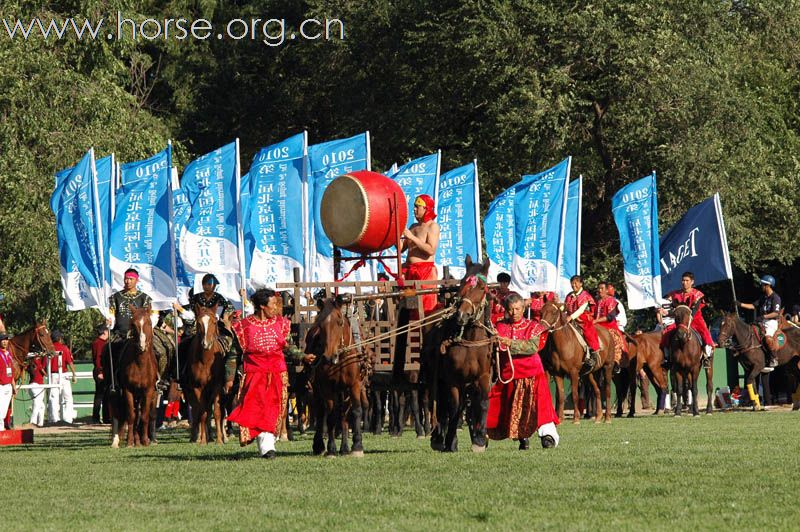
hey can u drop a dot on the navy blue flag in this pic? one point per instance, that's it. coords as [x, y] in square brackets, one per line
[697, 243]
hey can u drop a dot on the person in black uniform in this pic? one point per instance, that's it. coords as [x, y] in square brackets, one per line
[768, 310]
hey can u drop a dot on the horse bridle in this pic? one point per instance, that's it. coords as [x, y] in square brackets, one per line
[734, 343]
[551, 327]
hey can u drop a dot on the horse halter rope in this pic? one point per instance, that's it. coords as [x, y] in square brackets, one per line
[552, 327]
[683, 325]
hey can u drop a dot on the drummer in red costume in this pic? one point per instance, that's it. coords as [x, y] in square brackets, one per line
[421, 241]
[606, 316]
[520, 402]
[694, 299]
[580, 306]
[263, 339]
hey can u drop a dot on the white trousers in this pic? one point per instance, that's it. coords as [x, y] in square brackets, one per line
[770, 327]
[549, 429]
[59, 403]
[5, 401]
[266, 442]
[37, 397]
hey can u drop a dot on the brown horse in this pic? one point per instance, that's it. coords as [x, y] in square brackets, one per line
[34, 340]
[204, 377]
[563, 356]
[457, 354]
[748, 348]
[645, 353]
[337, 380]
[137, 379]
[687, 351]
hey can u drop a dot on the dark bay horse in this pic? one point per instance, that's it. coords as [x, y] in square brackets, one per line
[750, 352]
[138, 373]
[337, 380]
[687, 352]
[645, 353]
[563, 356]
[34, 340]
[457, 353]
[204, 377]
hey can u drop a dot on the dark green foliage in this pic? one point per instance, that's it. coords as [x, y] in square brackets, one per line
[704, 93]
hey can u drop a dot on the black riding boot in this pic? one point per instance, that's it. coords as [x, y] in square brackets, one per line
[665, 362]
[524, 444]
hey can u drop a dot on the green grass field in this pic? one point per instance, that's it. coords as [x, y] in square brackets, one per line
[727, 471]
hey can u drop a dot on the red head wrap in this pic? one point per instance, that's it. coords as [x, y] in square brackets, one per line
[429, 206]
[132, 274]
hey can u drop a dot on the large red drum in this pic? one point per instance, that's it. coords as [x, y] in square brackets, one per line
[358, 211]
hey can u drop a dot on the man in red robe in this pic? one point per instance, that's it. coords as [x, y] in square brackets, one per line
[421, 241]
[263, 339]
[520, 402]
[606, 316]
[694, 299]
[580, 306]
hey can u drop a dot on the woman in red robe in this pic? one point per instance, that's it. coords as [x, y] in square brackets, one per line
[520, 402]
[263, 339]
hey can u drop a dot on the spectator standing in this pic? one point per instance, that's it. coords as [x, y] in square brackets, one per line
[60, 399]
[7, 387]
[99, 345]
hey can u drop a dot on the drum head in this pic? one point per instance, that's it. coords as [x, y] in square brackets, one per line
[344, 211]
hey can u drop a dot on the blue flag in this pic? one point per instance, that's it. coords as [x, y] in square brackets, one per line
[635, 210]
[457, 214]
[540, 209]
[697, 243]
[498, 229]
[80, 244]
[211, 241]
[571, 256]
[275, 206]
[106, 180]
[418, 177]
[326, 162]
[141, 234]
[181, 211]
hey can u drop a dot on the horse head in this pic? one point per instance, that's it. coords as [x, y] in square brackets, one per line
[553, 316]
[727, 329]
[683, 317]
[328, 335]
[472, 291]
[142, 328]
[206, 319]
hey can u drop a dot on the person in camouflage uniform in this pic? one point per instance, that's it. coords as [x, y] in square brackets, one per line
[121, 304]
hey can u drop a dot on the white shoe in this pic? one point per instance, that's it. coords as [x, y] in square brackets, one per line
[767, 369]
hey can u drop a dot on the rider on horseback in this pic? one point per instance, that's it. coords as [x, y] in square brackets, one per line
[121, 304]
[606, 316]
[580, 306]
[694, 299]
[210, 298]
[768, 310]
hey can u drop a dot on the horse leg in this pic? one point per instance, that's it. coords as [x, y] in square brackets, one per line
[481, 409]
[330, 415]
[695, 377]
[633, 372]
[438, 417]
[318, 407]
[131, 416]
[147, 409]
[559, 395]
[218, 416]
[357, 411]
[710, 389]
[678, 392]
[622, 385]
[344, 425]
[598, 407]
[415, 413]
[453, 415]
[609, 376]
[575, 385]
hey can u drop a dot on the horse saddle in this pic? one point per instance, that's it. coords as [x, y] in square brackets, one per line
[774, 342]
[581, 339]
